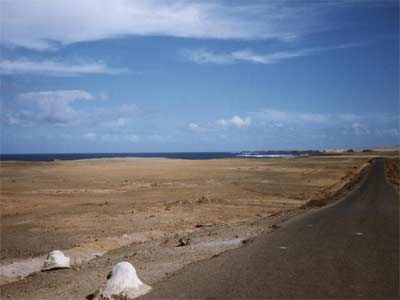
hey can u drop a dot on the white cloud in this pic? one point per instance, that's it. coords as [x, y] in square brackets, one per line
[395, 132]
[129, 110]
[207, 56]
[132, 138]
[90, 136]
[314, 118]
[235, 121]
[47, 24]
[272, 116]
[328, 124]
[54, 68]
[57, 108]
[348, 117]
[197, 128]
[159, 138]
[286, 129]
[50, 106]
[202, 56]
[271, 121]
[108, 137]
[117, 123]
[360, 129]
[119, 137]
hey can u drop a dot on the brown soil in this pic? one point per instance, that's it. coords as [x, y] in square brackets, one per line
[392, 170]
[204, 207]
[59, 205]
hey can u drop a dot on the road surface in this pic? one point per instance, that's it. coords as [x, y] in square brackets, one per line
[349, 251]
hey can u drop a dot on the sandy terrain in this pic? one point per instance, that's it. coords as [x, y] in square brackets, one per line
[392, 170]
[140, 210]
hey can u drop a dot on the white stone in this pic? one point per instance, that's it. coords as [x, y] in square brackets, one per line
[56, 260]
[124, 282]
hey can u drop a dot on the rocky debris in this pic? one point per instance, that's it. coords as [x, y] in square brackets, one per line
[122, 284]
[247, 241]
[204, 225]
[56, 260]
[185, 241]
[198, 201]
[274, 226]
[97, 296]
[202, 200]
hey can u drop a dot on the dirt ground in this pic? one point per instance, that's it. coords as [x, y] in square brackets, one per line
[62, 204]
[140, 210]
[392, 170]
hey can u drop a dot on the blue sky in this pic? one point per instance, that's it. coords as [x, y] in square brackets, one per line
[136, 76]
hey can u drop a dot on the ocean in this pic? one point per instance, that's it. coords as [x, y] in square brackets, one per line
[74, 156]
[170, 155]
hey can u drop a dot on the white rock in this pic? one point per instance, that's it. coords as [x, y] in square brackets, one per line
[124, 283]
[56, 260]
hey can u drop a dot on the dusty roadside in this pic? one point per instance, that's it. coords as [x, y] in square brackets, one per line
[239, 199]
[392, 170]
[154, 261]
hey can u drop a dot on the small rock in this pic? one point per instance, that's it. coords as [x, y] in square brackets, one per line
[56, 260]
[203, 225]
[96, 295]
[123, 284]
[202, 200]
[246, 241]
[184, 242]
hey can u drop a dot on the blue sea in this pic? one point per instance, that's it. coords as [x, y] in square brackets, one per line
[171, 155]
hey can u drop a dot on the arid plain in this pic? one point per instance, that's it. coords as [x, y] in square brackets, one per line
[160, 214]
[60, 204]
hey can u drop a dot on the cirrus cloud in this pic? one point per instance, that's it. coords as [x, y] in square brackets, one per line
[203, 56]
[54, 68]
[47, 24]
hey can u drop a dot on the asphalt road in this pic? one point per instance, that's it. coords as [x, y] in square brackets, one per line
[349, 251]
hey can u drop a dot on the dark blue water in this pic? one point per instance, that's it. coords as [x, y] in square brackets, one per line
[73, 156]
[176, 155]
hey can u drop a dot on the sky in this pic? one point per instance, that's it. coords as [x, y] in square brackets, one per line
[180, 76]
